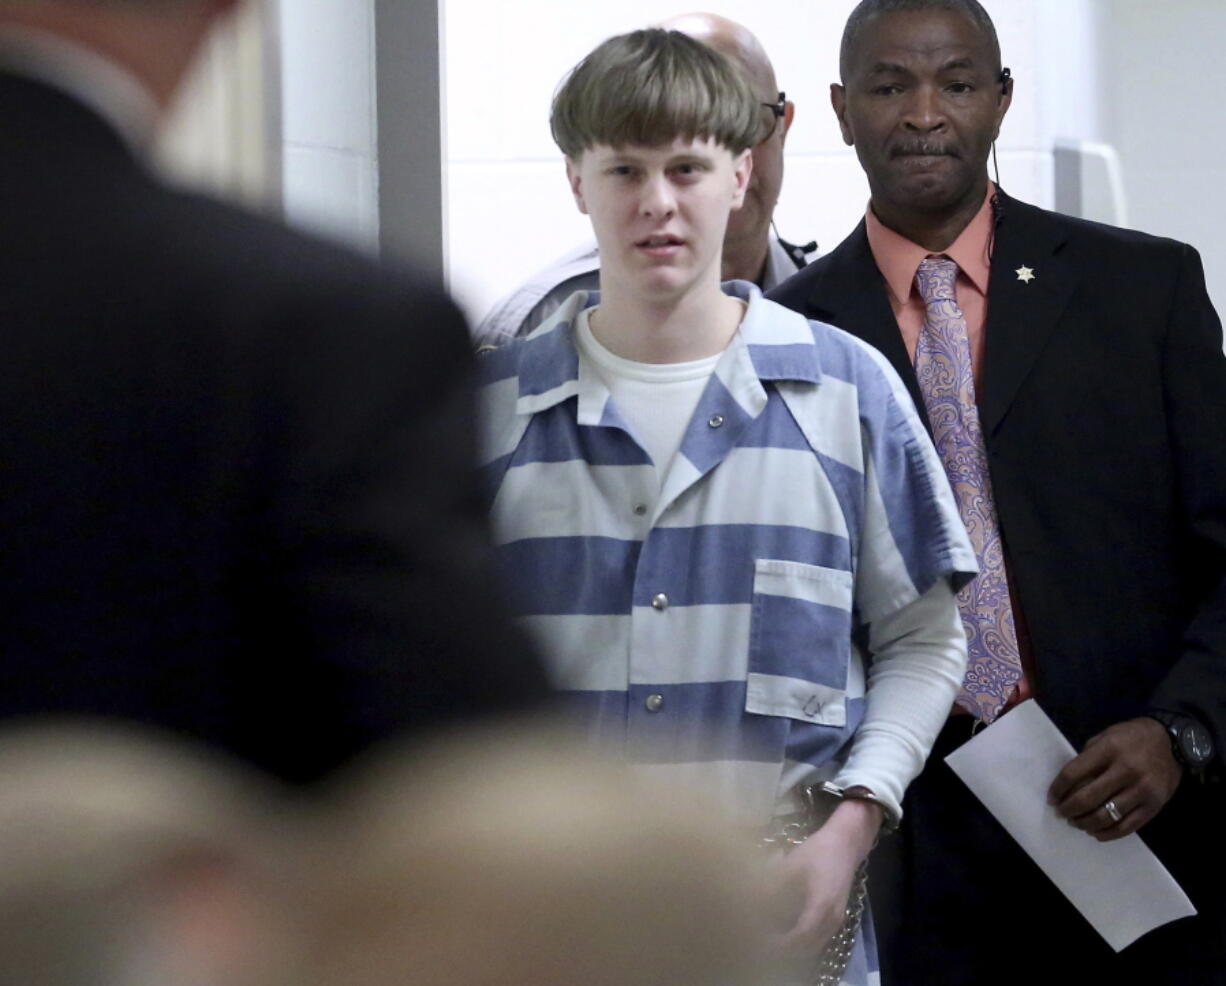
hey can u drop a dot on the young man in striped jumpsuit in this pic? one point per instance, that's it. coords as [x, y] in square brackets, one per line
[724, 522]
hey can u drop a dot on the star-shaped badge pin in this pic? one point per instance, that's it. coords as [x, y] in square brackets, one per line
[1025, 274]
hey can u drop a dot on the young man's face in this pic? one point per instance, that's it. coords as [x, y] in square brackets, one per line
[659, 213]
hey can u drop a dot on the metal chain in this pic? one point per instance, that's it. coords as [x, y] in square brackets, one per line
[832, 963]
[834, 957]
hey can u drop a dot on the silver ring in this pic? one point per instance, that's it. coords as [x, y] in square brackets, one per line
[1110, 808]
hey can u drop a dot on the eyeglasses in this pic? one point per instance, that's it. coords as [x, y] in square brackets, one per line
[771, 120]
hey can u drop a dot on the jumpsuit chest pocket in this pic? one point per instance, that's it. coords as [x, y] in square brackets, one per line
[799, 642]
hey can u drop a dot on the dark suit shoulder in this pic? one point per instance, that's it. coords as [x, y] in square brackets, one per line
[217, 272]
[850, 260]
[793, 292]
[1084, 233]
[227, 241]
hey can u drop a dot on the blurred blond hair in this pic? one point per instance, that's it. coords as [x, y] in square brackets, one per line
[126, 858]
[505, 858]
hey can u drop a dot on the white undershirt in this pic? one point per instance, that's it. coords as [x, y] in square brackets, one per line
[656, 399]
[919, 658]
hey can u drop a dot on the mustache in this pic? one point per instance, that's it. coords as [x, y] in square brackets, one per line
[923, 148]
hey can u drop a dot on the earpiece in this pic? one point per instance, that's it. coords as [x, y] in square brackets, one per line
[1006, 76]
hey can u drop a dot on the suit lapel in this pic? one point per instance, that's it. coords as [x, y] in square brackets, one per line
[1021, 314]
[852, 294]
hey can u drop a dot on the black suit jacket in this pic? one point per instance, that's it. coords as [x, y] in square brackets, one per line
[1102, 390]
[1103, 386]
[236, 498]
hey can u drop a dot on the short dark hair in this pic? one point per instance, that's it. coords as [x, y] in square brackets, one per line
[649, 88]
[866, 10]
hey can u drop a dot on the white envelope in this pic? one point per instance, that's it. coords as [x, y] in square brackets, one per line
[1120, 887]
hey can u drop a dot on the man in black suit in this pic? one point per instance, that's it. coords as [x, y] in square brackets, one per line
[236, 497]
[1098, 380]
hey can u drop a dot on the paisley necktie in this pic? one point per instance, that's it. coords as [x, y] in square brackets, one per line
[943, 366]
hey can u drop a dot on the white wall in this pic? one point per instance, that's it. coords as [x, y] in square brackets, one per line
[1066, 74]
[328, 105]
[508, 207]
[1146, 77]
[1162, 88]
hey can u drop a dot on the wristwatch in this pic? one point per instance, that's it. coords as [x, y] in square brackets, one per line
[1190, 741]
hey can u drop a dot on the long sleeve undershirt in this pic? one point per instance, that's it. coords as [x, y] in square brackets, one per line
[918, 660]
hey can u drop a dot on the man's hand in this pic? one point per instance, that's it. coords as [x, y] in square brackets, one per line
[1129, 764]
[822, 869]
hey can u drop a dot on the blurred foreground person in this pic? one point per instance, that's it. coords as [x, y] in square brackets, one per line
[510, 860]
[128, 862]
[236, 497]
